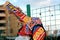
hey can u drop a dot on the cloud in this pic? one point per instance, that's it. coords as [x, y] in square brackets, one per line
[40, 3]
[2, 2]
[37, 0]
[14, 0]
[47, 2]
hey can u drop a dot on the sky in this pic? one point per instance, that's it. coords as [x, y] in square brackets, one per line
[33, 3]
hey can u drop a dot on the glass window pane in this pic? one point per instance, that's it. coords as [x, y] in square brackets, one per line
[40, 18]
[48, 23]
[42, 9]
[57, 12]
[52, 17]
[34, 15]
[38, 15]
[57, 16]
[34, 11]
[57, 21]
[52, 8]
[57, 7]
[52, 13]
[42, 14]
[38, 11]
[47, 18]
[53, 22]
[43, 18]
[47, 13]
[58, 27]
[47, 8]
[53, 28]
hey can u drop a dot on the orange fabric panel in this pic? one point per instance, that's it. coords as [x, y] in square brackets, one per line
[38, 33]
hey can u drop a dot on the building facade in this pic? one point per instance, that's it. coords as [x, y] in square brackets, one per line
[9, 24]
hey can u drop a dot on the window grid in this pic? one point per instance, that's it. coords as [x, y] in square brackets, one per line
[53, 12]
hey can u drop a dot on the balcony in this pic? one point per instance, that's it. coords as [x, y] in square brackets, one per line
[2, 15]
[3, 34]
[2, 28]
[2, 21]
[2, 8]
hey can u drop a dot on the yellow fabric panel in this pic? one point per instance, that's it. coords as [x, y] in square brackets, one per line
[38, 33]
[26, 19]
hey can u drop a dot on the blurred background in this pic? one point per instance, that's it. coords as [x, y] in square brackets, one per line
[47, 10]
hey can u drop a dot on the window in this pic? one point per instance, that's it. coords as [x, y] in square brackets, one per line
[38, 15]
[2, 31]
[38, 11]
[42, 9]
[2, 24]
[52, 18]
[43, 14]
[57, 21]
[53, 28]
[2, 18]
[34, 11]
[47, 22]
[57, 7]
[34, 15]
[57, 12]
[47, 8]
[57, 16]
[47, 18]
[47, 13]
[11, 30]
[43, 23]
[52, 13]
[58, 27]
[43, 19]
[52, 8]
[2, 11]
[53, 22]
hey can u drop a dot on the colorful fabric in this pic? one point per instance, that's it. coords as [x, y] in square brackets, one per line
[39, 34]
[24, 31]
